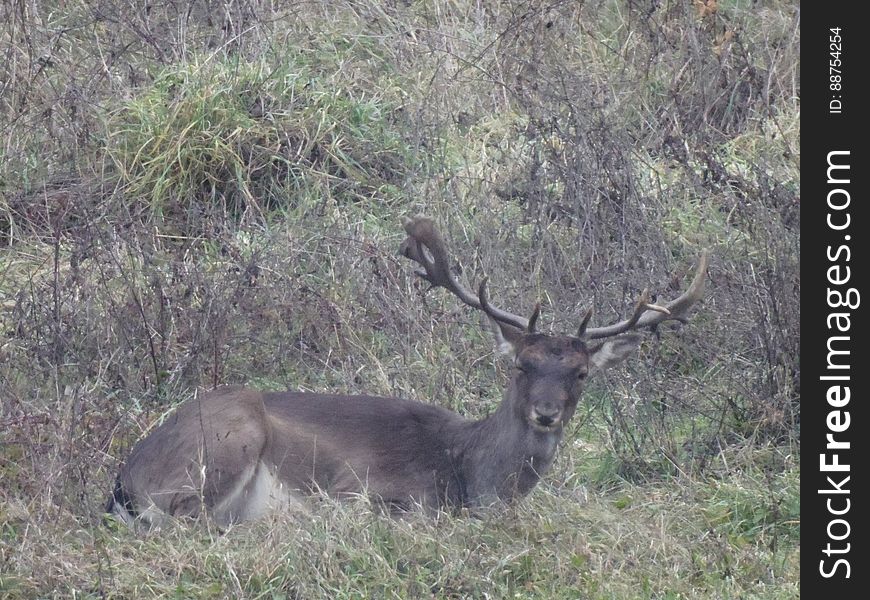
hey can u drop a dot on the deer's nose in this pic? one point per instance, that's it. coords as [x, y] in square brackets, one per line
[545, 416]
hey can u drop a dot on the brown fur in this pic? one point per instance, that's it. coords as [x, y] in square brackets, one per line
[237, 452]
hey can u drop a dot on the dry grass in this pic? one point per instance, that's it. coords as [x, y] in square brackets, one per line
[662, 543]
[191, 197]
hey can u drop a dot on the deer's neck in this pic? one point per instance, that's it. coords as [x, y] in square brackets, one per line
[503, 457]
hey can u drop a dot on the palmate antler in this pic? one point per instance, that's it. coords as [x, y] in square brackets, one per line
[425, 246]
[650, 315]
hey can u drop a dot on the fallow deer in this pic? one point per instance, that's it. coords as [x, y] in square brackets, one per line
[237, 453]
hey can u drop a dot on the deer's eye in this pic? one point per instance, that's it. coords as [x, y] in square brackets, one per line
[582, 375]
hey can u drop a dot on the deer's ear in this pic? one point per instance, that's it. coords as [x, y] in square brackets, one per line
[507, 337]
[613, 351]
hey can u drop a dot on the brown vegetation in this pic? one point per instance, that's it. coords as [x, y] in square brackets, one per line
[198, 193]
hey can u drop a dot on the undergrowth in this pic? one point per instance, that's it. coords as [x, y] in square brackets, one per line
[256, 136]
[192, 196]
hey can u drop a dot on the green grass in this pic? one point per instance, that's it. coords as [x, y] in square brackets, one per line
[187, 200]
[255, 136]
[559, 543]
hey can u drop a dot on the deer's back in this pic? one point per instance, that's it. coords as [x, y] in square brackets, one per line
[396, 450]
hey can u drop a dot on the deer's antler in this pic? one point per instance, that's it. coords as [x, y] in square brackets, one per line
[648, 315]
[425, 246]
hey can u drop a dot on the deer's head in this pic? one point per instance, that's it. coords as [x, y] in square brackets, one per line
[549, 371]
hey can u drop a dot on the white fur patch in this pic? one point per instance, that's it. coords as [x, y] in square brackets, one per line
[259, 491]
[614, 351]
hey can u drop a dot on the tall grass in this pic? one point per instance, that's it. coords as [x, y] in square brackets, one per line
[191, 197]
[256, 136]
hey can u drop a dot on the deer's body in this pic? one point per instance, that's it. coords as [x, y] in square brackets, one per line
[231, 465]
[238, 453]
